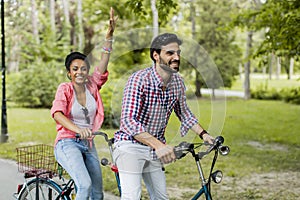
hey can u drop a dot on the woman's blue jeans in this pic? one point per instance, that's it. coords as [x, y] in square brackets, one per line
[82, 163]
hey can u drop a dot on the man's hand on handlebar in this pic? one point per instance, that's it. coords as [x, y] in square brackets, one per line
[166, 154]
[208, 138]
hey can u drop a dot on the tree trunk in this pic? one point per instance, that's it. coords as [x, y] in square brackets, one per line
[155, 18]
[88, 44]
[198, 83]
[34, 18]
[80, 26]
[247, 94]
[52, 15]
[241, 70]
[67, 23]
[271, 66]
[291, 68]
[278, 71]
[66, 11]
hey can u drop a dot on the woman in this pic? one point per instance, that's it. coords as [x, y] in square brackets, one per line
[78, 109]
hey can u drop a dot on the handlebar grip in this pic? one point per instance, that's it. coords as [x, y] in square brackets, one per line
[77, 135]
[219, 141]
[183, 146]
[104, 161]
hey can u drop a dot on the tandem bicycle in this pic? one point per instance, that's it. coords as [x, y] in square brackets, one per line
[44, 176]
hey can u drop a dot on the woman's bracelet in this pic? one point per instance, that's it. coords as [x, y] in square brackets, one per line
[106, 50]
[202, 133]
[109, 39]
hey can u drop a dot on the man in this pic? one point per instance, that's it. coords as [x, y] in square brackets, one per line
[150, 96]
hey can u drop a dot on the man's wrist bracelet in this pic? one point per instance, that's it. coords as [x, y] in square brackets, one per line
[202, 133]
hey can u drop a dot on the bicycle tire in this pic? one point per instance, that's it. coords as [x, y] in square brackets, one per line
[48, 190]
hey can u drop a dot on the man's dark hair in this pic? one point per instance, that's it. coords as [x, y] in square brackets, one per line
[76, 55]
[163, 40]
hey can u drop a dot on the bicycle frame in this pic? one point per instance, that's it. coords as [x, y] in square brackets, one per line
[203, 190]
[189, 148]
[205, 183]
[105, 162]
[67, 189]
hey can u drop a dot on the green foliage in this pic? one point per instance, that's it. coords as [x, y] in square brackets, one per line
[266, 94]
[41, 68]
[215, 36]
[96, 14]
[142, 9]
[289, 95]
[137, 7]
[111, 120]
[280, 21]
[35, 86]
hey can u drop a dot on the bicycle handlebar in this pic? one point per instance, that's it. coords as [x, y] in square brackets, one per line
[77, 135]
[184, 147]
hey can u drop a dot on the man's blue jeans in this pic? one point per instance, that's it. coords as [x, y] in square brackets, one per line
[82, 163]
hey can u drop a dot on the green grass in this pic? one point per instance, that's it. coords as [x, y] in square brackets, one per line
[262, 135]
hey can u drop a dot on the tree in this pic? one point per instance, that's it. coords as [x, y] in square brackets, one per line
[131, 47]
[155, 18]
[80, 25]
[247, 91]
[34, 18]
[211, 32]
[280, 21]
[52, 15]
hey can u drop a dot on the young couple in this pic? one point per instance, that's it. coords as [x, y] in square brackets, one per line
[150, 96]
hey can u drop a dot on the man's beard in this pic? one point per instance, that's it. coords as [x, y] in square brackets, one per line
[166, 66]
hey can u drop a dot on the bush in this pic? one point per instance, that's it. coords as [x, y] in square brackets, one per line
[292, 95]
[111, 119]
[289, 95]
[266, 94]
[35, 86]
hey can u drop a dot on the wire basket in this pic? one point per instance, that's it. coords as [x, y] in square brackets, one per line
[36, 159]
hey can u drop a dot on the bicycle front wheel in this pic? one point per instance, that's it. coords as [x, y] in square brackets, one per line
[47, 190]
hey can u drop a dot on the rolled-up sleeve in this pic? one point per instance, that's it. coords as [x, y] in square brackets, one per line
[99, 79]
[60, 103]
[184, 114]
[131, 106]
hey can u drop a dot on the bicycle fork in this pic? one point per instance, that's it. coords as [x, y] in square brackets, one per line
[205, 187]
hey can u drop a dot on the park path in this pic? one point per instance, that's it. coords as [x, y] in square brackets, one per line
[10, 178]
[227, 93]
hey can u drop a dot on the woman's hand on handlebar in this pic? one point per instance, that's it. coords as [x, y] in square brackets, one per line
[85, 133]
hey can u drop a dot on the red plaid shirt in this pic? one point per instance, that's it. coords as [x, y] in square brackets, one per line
[146, 107]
